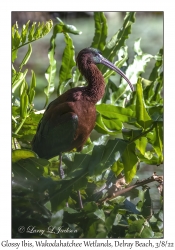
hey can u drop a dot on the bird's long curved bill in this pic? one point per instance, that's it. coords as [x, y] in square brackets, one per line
[111, 66]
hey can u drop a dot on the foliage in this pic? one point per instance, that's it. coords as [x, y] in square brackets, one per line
[129, 128]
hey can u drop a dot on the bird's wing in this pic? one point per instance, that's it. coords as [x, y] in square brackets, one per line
[56, 131]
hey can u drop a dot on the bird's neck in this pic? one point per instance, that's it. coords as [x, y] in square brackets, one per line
[96, 85]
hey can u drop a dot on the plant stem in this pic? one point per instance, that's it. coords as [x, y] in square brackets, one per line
[142, 134]
[20, 126]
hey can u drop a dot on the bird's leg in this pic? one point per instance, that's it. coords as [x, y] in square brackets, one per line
[80, 200]
[60, 169]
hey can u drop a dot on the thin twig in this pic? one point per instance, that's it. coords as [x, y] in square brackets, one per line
[137, 184]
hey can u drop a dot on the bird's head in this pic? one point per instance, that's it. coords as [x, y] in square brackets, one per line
[89, 56]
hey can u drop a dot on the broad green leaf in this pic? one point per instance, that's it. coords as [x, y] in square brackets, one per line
[108, 126]
[26, 57]
[113, 112]
[139, 229]
[22, 154]
[70, 210]
[104, 157]
[30, 168]
[78, 167]
[68, 62]
[129, 160]
[57, 218]
[90, 207]
[143, 118]
[100, 214]
[141, 144]
[99, 40]
[149, 158]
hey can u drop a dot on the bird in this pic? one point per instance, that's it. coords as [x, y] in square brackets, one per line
[69, 120]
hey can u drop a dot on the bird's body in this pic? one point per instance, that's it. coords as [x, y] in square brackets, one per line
[69, 119]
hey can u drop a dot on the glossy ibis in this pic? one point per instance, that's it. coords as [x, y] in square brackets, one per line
[69, 119]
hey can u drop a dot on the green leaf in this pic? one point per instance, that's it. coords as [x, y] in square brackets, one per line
[30, 168]
[104, 157]
[22, 154]
[26, 57]
[139, 64]
[115, 92]
[28, 35]
[31, 93]
[16, 40]
[23, 105]
[18, 80]
[99, 40]
[100, 214]
[156, 139]
[24, 32]
[158, 66]
[78, 167]
[111, 219]
[66, 28]
[90, 207]
[47, 27]
[117, 167]
[51, 71]
[68, 62]
[23, 88]
[141, 144]
[113, 112]
[129, 160]
[31, 32]
[96, 230]
[108, 126]
[118, 40]
[29, 127]
[143, 118]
